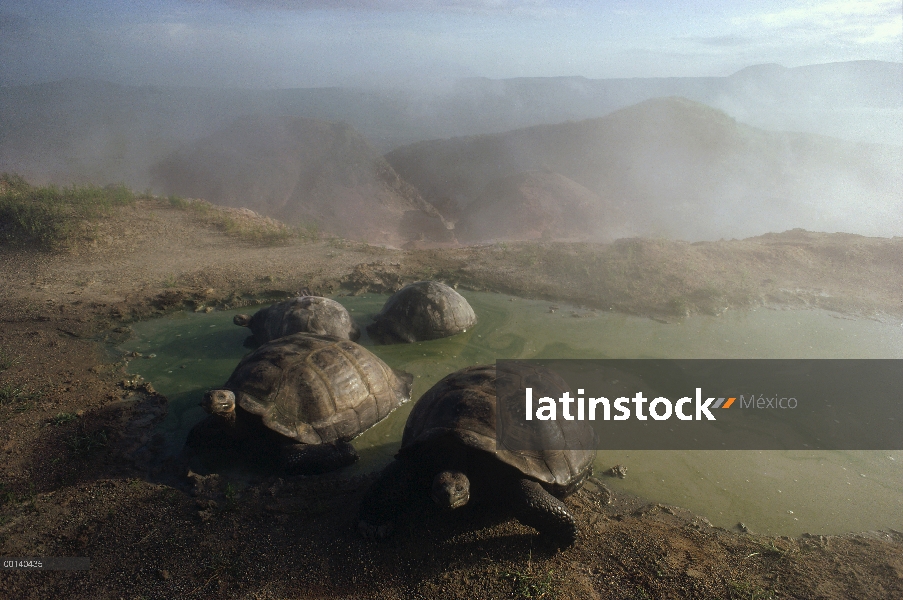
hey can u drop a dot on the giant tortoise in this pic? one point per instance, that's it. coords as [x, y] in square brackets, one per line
[449, 450]
[304, 314]
[306, 395]
[426, 310]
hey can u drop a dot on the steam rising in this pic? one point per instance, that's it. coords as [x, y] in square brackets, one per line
[671, 168]
[766, 149]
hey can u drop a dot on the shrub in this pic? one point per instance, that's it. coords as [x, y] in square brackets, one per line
[50, 217]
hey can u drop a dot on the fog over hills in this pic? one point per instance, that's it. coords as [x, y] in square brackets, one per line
[572, 158]
[675, 168]
[859, 100]
[539, 205]
[303, 171]
[82, 130]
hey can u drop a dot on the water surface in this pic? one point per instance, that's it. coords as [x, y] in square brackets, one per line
[776, 492]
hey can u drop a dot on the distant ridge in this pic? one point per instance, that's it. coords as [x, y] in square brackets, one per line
[94, 131]
[303, 171]
[679, 169]
[538, 205]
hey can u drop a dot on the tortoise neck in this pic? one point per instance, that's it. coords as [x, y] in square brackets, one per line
[228, 418]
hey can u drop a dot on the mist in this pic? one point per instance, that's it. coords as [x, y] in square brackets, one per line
[798, 124]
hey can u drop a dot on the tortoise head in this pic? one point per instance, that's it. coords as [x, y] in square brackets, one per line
[451, 489]
[220, 403]
[242, 320]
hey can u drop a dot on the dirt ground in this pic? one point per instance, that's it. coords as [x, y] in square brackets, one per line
[81, 474]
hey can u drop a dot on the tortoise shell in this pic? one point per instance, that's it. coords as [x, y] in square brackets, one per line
[463, 405]
[426, 310]
[317, 389]
[304, 314]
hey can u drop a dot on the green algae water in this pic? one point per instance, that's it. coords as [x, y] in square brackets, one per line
[774, 492]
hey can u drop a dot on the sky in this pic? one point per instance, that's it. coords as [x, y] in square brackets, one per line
[304, 43]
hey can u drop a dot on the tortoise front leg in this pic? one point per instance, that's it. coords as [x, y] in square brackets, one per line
[211, 434]
[389, 495]
[313, 459]
[537, 508]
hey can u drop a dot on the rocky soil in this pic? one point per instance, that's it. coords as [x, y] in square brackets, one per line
[81, 475]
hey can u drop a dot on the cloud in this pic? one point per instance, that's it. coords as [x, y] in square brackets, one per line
[866, 21]
[885, 32]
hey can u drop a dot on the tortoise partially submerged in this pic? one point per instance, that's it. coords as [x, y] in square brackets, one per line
[304, 314]
[449, 450]
[308, 395]
[426, 310]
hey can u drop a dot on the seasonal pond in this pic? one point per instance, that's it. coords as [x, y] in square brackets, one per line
[773, 492]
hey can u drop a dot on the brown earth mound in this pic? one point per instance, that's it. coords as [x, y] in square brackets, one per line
[538, 205]
[303, 172]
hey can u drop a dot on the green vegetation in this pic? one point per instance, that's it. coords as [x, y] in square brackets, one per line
[640, 594]
[261, 231]
[532, 582]
[308, 231]
[180, 202]
[63, 418]
[50, 217]
[83, 444]
[10, 393]
[745, 591]
[231, 494]
[7, 359]
[528, 584]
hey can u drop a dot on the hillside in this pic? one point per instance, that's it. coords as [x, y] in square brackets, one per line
[680, 169]
[538, 205]
[99, 132]
[302, 172]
